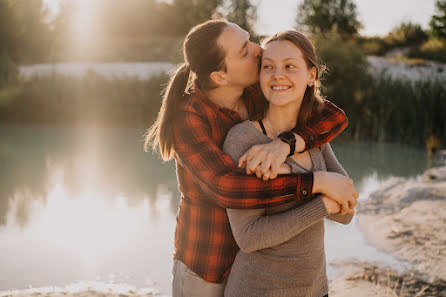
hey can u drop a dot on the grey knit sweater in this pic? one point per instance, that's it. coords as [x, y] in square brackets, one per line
[282, 247]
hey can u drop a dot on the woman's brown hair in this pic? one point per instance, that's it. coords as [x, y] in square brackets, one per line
[202, 56]
[312, 101]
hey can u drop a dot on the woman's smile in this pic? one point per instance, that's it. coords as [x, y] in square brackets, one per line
[280, 88]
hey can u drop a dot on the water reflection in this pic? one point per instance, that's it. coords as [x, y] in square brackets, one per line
[103, 162]
[83, 204]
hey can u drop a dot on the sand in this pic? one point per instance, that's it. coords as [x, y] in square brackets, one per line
[406, 218]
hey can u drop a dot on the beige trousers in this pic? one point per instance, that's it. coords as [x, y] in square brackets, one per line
[188, 284]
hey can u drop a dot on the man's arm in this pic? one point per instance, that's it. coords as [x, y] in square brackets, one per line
[321, 128]
[217, 175]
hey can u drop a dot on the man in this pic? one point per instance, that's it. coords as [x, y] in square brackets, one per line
[221, 64]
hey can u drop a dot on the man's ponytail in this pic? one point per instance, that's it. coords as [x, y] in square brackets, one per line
[202, 56]
[160, 133]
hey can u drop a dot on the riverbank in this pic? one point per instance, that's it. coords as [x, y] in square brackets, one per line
[406, 218]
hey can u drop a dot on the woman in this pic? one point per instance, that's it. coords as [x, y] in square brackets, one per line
[282, 247]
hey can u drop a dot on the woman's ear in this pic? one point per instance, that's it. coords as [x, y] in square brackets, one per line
[312, 78]
[219, 78]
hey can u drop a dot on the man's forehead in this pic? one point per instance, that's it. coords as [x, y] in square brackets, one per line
[233, 38]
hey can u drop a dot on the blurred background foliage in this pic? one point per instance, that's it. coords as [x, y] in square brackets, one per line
[379, 108]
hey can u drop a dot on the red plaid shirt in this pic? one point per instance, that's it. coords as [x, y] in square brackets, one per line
[210, 181]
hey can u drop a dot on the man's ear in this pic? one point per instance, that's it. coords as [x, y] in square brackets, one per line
[219, 78]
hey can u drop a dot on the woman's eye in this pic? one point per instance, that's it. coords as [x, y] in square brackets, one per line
[289, 66]
[267, 67]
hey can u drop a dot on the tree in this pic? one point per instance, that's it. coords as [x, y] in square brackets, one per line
[438, 21]
[324, 16]
[35, 32]
[347, 80]
[182, 15]
[243, 13]
[407, 34]
[9, 28]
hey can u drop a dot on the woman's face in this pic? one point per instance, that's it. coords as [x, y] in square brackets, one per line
[284, 75]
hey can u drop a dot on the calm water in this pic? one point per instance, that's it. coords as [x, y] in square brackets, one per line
[87, 204]
[142, 70]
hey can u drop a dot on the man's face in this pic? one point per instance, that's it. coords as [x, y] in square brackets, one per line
[242, 56]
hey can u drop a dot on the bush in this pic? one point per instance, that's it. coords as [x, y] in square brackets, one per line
[346, 81]
[8, 70]
[375, 46]
[406, 34]
[433, 49]
[88, 99]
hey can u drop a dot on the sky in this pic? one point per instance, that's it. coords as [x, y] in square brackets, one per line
[377, 16]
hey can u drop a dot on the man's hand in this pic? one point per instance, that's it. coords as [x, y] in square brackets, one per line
[263, 158]
[333, 207]
[336, 187]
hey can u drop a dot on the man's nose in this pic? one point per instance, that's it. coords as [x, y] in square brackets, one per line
[257, 49]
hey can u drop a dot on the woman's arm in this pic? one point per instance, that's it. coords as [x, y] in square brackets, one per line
[333, 165]
[254, 231]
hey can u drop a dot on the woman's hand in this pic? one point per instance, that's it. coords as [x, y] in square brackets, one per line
[333, 207]
[266, 158]
[338, 188]
[283, 169]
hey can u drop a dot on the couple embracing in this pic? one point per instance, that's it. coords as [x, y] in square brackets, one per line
[250, 136]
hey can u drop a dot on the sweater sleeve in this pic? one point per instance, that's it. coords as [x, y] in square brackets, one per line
[333, 165]
[253, 230]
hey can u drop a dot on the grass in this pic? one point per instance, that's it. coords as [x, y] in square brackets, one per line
[386, 110]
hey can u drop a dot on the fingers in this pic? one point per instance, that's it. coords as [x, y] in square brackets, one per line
[351, 211]
[352, 203]
[242, 162]
[344, 208]
[355, 193]
[252, 165]
[275, 168]
[264, 166]
[266, 176]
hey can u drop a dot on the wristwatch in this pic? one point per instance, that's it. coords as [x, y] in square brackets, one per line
[288, 137]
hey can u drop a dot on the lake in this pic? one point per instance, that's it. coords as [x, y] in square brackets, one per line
[86, 204]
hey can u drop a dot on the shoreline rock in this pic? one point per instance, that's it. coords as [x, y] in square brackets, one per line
[406, 218]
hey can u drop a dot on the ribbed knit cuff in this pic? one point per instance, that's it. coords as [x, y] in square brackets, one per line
[314, 211]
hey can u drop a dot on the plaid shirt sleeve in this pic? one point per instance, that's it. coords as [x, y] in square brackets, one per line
[218, 176]
[324, 127]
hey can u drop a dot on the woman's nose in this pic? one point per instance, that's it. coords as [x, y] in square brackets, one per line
[278, 72]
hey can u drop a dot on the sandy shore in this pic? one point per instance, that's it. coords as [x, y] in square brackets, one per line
[406, 218]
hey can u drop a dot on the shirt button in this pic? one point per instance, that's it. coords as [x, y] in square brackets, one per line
[304, 192]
